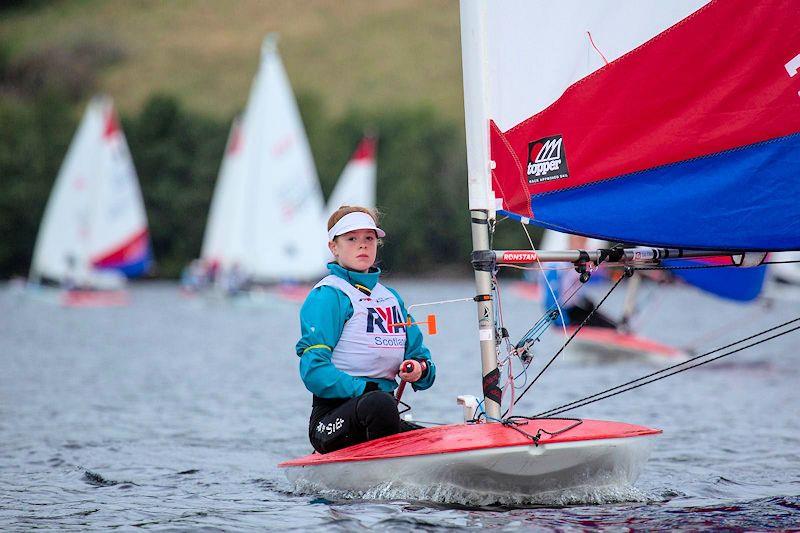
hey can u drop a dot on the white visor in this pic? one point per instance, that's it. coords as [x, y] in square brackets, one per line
[352, 222]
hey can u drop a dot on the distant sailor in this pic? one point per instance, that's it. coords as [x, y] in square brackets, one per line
[354, 343]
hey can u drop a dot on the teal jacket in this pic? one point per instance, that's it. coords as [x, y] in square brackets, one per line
[322, 320]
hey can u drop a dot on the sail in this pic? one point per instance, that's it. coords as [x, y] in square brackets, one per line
[95, 217]
[224, 241]
[738, 284]
[267, 207]
[662, 123]
[356, 185]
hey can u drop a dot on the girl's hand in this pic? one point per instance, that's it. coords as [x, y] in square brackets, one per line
[411, 370]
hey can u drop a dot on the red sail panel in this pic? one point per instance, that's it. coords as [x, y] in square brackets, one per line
[717, 80]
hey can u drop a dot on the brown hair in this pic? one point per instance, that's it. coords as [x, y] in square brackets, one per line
[346, 210]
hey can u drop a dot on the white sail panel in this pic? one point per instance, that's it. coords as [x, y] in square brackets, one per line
[224, 241]
[532, 64]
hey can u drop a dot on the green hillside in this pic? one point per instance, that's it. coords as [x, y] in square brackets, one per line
[364, 53]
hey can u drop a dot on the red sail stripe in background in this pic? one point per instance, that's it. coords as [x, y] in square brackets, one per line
[134, 249]
[365, 150]
[112, 124]
[235, 143]
[716, 80]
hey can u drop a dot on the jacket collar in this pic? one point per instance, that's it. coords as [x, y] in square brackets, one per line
[358, 280]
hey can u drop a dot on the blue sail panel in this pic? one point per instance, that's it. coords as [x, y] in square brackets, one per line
[742, 199]
[732, 283]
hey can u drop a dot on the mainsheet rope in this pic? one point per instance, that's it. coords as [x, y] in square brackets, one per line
[634, 384]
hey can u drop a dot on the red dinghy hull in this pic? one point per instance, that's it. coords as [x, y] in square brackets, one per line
[610, 343]
[487, 458]
[94, 298]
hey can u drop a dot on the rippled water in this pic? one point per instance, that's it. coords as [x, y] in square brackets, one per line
[173, 413]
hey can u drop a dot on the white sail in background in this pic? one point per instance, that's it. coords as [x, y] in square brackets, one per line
[356, 185]
[95, 219]
[226, 234]
[266, 212]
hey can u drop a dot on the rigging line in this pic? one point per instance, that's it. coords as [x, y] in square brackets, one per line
[585, 320]
[549, 288]
[780, 262]
[573, 404]
[544, 322]
[558, 411]
[498, 306]
[684, 267]
[498, 303]
[470, 299]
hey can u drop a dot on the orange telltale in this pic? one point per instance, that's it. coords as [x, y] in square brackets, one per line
[430, 322]
[432, 325]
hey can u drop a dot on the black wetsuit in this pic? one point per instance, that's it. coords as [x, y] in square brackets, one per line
[340, 422]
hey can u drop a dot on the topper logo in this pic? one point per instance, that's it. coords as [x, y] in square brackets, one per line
[792, 67]
[546, 159]
[518, 257]
[550, 151]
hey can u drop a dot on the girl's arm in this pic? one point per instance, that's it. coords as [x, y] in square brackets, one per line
[322, 319]
[415, 349]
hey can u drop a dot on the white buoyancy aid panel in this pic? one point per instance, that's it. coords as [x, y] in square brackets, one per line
[373, 340]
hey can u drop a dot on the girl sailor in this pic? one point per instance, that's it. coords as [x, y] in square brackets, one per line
[354, 342]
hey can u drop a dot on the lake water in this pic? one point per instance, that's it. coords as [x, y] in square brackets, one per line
[172, 413]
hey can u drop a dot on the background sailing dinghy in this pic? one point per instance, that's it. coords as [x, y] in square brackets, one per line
[94, 231]
[612, 339]
[264, 224]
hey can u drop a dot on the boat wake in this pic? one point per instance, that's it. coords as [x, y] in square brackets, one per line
[452, 494]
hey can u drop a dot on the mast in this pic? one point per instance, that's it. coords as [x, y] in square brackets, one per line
[481, 198]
